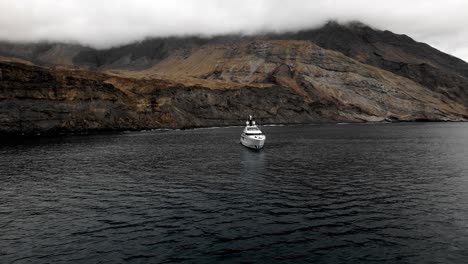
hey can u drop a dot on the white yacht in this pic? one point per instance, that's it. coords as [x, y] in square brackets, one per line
[252, 137]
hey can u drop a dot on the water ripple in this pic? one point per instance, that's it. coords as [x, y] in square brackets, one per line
[388, 193]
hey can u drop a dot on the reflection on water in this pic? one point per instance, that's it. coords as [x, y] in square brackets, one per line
[252, 161]
[388, 193]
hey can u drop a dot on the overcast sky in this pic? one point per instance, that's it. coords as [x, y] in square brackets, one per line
[104, 23]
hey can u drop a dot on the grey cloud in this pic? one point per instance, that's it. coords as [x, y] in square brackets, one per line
[106, 23]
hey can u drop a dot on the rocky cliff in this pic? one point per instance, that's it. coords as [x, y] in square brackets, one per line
[215, 84]
[193, 82]
[395, 53]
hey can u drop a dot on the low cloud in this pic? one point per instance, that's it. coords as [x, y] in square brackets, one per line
[107, 23]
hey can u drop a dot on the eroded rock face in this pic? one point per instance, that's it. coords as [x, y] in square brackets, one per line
[35, 99]
[277, 81]
[353, 90]
[395, 53]
[399, 54]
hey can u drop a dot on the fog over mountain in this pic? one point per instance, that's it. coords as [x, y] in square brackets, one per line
[108, 23]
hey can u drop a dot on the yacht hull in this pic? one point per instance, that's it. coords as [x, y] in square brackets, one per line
[251, 142]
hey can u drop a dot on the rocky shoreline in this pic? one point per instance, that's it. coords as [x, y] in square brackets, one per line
[5, 136]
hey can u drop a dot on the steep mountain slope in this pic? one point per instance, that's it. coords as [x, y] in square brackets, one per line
[43, 53]
[396, 53]
[335, 73]
[310, 71]
[215, 84]
[399, 54]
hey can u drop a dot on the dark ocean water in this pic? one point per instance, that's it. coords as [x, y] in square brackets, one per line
[379, 193]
